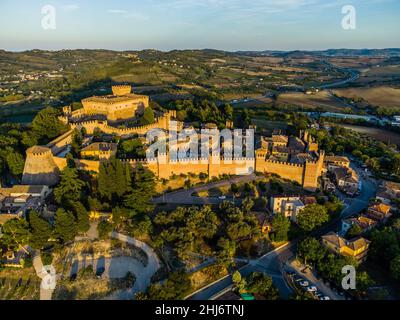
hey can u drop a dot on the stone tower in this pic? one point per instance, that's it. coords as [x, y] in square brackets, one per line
[121, 90]
[40, 167]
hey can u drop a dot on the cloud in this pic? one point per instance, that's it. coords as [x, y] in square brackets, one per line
[70, 7]
[117, 11]
[129, 15]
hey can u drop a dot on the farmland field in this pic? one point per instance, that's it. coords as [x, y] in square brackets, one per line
[322, 100]
[379, 96]
[376, 133]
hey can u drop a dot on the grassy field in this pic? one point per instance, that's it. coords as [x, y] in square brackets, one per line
[19, 285]
[322, 100]
[378, 96]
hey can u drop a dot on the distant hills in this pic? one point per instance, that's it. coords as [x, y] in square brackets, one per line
[390, 52]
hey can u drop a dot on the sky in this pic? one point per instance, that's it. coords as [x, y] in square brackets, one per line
[230, 25]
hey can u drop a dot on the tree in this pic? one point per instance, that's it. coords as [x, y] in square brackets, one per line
[148, 117]
[65, 228]
[247, 205]
[354, 231]
[311, 251]
[114, 180]
[238, 281]
[227, 252]
[81, 217]
[41, 230]
[312, 216]
[70, 187]
[176, 287]
[262, 284]
[395, 268]
[104, 228]
[280, 227]
[15, 162]
[76, 145]
[46, 124]
[15, 233]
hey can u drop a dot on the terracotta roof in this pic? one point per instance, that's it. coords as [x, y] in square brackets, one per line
[381, 207]
[392, 185]
[22, 189]
[280, 138]
[340, 242]
[336, 159]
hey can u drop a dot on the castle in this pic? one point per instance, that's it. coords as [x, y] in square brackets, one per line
[122, 105]
[294, 158]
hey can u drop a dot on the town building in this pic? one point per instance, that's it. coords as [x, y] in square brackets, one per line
[346, 180]
[100, 150]
[356, 248]
[379, 212]
[290, 206]
[365, 223]
[332, 162]
[388, 191]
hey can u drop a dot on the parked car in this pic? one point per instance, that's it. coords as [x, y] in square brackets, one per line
[222, 198]
[99, 272]
[312, 289]
[291, 273]
[73, 277]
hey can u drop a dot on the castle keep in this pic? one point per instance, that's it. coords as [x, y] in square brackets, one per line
[294, 158]
[122, 105]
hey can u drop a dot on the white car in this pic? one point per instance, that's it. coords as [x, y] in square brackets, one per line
[312, 289]
[222, 197]
[326, 298]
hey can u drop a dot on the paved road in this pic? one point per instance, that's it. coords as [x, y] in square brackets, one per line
[273, 262]
[185, 196]
[143, 277]
[45, 294]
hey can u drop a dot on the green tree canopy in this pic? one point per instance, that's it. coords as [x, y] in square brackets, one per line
[41, 230]
[259, 283]
[15, 233]
[148, 117]
[46, 124]
[312, 216]
[280, 227]
[65, 228]
[70, 187]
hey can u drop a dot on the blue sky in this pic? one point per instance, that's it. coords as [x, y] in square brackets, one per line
[196, 24]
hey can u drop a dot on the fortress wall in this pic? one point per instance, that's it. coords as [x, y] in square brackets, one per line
[166, 170]
[231, 167]
[60, 143]
[285, 170]
[161, 123]
[61, 163]
[88, 165]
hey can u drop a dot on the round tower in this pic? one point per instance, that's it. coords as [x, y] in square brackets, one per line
[40, 167]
